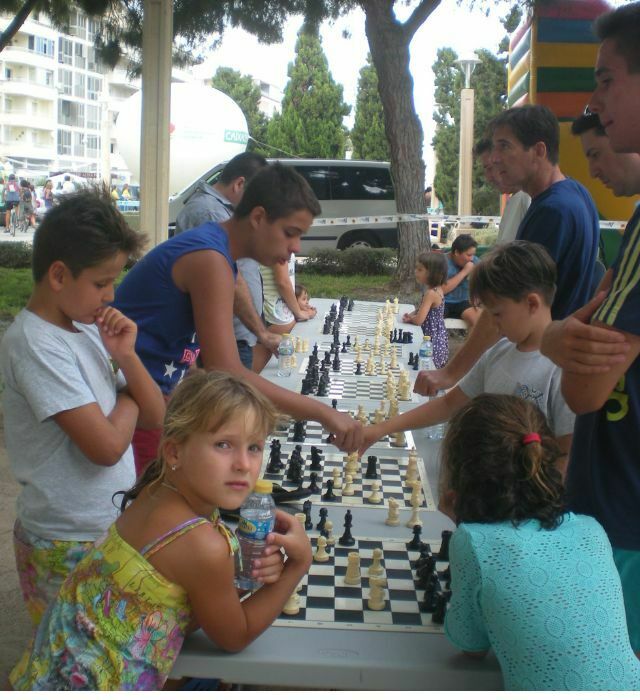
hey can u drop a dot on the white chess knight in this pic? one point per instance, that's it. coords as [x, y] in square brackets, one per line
[393, 518]
[376, 593]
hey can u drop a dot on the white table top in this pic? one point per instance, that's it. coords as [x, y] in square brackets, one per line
[342, 658]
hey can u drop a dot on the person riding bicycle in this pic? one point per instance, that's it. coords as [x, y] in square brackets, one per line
[26, 200]
[11, 198]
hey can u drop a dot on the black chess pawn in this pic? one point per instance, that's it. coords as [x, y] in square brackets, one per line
[358, 368]
[394, 336]
[347, 539]
[336, 364]
[443, 554]
[350, 305]
[274, 465]
[425, 552]
[415, 543]
[323, 387]
[416, 361]
[334, 403]
[326, 328]
[323, 518]
[440, 608]
[411, 359]
[306, 509]
[372, 467]
[328, 495]
[348, 341]
[299, 431]
[431, 591]
[313, 483]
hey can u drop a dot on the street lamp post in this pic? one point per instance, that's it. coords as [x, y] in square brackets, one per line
[466, 137]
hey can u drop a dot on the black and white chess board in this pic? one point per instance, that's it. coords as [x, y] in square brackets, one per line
[326, 601]
[391, 471]
[361, 389]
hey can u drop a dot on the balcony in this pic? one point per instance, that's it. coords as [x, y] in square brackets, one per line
[28, 88]
[22, 119]
[21, 54]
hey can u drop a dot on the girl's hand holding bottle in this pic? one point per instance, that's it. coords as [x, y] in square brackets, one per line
[290, 536]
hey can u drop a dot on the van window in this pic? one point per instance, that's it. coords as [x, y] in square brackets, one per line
[362, 183]
[319, 178]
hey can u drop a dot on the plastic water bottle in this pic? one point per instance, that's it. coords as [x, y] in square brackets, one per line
[257, 518]
[425, 354]
[437, 431]
[285, 355]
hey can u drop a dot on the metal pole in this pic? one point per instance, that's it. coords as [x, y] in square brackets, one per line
[466, 149]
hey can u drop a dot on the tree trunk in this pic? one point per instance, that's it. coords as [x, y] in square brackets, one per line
[14, 26]
[389, 42]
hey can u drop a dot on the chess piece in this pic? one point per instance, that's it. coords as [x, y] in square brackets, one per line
[352, 575]
[321, 553]
[358, 368]
[301, 518]
[299, 431]
[334, 404]
[372, 467]
[347, 488]
[375, 496]
[306, 509]
[313, 483]
[393, 364]
[415, 542]
[411, 475]
[378, 416]
[440, 608]
[347, 539]
[337, 479]
[361, 416]
[416, 494]
[376, 569]
[376, 593]
[316, 459]
[415, 517]
[393, 519]
[399, 439]
[396, 305]
[331, 540]
[292, 606]
[370, 369]
[323, 518]
[443, 554]
[352, 466]
[329, 495]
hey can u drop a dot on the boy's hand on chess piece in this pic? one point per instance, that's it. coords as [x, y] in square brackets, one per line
[370, 435]
[270, 340]
[118, 333]
[429, 383]
[346, 431]
[306, 313]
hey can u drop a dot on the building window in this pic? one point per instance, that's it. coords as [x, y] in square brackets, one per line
[78, 144]
[65, 51]
[93, 146]
[80, 60]
[94, 88]
[71, 113]
[93, 116]
[78, 86]
[64, 143]
[78, 25]
[8, 104]
[65, 78]
[48, 78]
[40, 45]
[92, 29]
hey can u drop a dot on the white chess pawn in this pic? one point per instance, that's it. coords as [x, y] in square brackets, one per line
[337, 479]
[356, 344]
[376, 569]
[415, 517]
[376, 594]
[321, 553]
[347, 487]
[396, 305]
[305, 345]
[375, 496]
[292, 606]
[328, 526]
[302, 518]
[299, 344]
[352, 575]
[393, 518]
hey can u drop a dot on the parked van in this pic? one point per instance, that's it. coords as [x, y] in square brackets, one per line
[345, 188]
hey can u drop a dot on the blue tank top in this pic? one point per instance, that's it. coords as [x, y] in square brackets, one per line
[166, 342]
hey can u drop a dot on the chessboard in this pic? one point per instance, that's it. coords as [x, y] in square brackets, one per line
[348, 366]
[326, 601]
[316, 434]
[361, 388]
[391, 469]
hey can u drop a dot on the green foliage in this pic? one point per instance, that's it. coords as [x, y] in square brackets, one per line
[375, 287]
[16, 255]
[15, 289]
[246, 94]
[353, 261]
[368, 136]
[310, 124]
[489, 81]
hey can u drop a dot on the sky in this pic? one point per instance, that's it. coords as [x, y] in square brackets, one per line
[449, 25]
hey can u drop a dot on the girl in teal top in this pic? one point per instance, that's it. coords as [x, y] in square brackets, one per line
[536, 584]
[166, 566]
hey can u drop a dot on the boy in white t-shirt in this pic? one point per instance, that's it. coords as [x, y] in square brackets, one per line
[74, 390]
[515, 282]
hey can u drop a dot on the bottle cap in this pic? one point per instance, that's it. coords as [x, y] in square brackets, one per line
[263, 486]
[286, 335]
[426, 337]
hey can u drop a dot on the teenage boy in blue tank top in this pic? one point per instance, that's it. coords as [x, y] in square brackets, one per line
[180, 295]
[598, 347]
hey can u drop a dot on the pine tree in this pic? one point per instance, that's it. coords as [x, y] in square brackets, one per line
[310, 124]
[246, 94]
[368, 136]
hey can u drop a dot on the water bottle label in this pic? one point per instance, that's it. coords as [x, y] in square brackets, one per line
[255, 529]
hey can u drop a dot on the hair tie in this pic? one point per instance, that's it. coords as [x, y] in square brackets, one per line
[531, 437]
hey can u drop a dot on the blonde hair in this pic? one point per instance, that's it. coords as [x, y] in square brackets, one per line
[204, 402]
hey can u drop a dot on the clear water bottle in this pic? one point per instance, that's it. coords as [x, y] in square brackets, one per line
[257, 518]
[437, 431]
[285, 355]
[425, 362]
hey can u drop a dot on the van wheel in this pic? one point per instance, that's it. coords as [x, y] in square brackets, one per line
[358, 239]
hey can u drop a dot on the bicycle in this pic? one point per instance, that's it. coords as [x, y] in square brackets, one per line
[18, 220]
